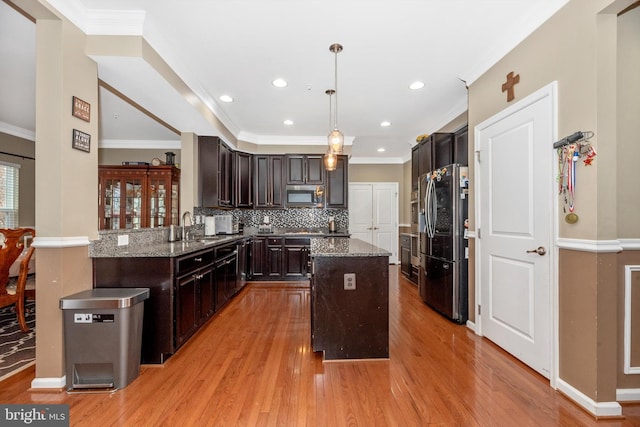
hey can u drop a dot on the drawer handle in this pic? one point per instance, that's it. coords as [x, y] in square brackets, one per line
[198, 259]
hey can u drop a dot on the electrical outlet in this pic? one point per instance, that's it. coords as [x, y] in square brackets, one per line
[350, 281]
[123, 240]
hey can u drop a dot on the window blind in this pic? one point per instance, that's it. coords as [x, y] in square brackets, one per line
[9, 194]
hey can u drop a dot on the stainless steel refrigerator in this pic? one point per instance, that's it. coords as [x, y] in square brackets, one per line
[444, 249]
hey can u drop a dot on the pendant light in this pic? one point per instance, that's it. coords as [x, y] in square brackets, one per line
[330, 158]
[336, 138]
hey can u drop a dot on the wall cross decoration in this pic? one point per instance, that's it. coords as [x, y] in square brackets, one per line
[508, 86]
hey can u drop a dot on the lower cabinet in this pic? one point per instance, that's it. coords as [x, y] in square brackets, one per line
[185, 292]
[279, 258]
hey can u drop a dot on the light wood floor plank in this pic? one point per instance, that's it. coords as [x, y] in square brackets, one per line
[252, 365]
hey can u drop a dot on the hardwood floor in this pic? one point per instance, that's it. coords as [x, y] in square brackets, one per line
[251, 365]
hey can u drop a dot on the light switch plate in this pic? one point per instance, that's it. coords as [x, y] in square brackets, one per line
[123, 240]
[350, 281]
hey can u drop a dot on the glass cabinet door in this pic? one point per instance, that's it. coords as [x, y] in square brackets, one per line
[111, 205]
[132, 203]
[157, 202]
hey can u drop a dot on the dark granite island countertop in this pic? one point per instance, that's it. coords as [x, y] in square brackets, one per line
[344, 246]
[349, 299]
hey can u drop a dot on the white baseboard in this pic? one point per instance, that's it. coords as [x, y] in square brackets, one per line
[628, 395]
[49, 382]
[598, 409]
[471, 325]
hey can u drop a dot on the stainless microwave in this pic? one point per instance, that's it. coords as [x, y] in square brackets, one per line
[305, 196]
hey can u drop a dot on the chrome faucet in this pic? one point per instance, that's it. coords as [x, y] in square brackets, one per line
[185, 232]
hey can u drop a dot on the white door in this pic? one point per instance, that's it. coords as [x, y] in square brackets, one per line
[514, 213]
[373, 215]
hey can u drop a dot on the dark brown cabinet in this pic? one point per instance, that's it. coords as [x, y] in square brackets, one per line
[405, 255]
[244, 180]
[279, 258]
[437, 151]
[194, 293]
[274, 258]
[461, 146]
[296, 258]
[216, 166]
[269, 184]
[337, 184]
[257, 258]
[225, 274]
[305, 169]
[132, 197]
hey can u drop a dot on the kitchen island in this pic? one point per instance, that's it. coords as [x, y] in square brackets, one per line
[349, 299]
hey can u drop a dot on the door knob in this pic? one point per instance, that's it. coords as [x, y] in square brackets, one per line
[540, 251]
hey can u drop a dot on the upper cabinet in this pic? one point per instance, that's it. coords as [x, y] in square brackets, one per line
[461, 146]
[434, 153]
[338, 184]
[216, 165]
[138, 196]
[269, 186]
[244, 180]
[305, 169]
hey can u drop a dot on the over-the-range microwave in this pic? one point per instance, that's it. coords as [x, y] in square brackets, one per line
[305, 196]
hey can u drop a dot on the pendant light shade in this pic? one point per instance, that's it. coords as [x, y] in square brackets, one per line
[335, 137]
[330, 160]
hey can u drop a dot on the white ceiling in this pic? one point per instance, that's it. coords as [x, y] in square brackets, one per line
[238, 47]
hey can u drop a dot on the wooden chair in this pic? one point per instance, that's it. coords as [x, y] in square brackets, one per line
[12, 245]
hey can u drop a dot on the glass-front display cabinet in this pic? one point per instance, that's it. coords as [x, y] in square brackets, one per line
[138, 196]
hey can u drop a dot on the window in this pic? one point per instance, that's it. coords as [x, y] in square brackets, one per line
[9, 185]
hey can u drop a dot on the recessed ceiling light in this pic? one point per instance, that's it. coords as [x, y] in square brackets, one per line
[385, 124]
[226, 98]
[288, 122]
[279, 83]
[381, 150]
[416, 85]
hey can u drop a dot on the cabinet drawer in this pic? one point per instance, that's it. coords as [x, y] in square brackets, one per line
[274, 241]
[193, 261]
[405, 241]
[297, 241]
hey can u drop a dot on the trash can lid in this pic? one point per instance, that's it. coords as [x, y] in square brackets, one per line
[105, 298]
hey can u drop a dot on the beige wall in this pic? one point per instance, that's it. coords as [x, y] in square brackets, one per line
[581, 33]
[22, 147]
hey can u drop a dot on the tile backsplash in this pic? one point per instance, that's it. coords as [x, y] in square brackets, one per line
[282, 218]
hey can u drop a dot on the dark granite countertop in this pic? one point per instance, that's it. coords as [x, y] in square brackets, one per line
[344, 247]
[173, 249]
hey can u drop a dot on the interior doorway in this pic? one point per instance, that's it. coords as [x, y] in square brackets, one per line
[373, 215]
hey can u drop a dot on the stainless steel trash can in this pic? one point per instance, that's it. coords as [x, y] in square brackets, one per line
[103, 337]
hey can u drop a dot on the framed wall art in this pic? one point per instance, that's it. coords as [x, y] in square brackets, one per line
[81, 109]
[81, 141]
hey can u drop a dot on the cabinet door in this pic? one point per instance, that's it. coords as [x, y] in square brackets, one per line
[425, 156]
[315, 169]
[244, 182]
[225, 175]
[257, 257]
[442, 149]
[187, 318]
[269, 184]
[274, 257]
[122, 201]
[278, 186]
[338, 185]
[220, 284]
[206, 287]
[162, 207]
[415, 167]
[295, 261]
[208, 170]
[461, 147]
[295, 169]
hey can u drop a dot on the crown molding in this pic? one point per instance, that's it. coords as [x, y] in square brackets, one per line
[17, 131]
